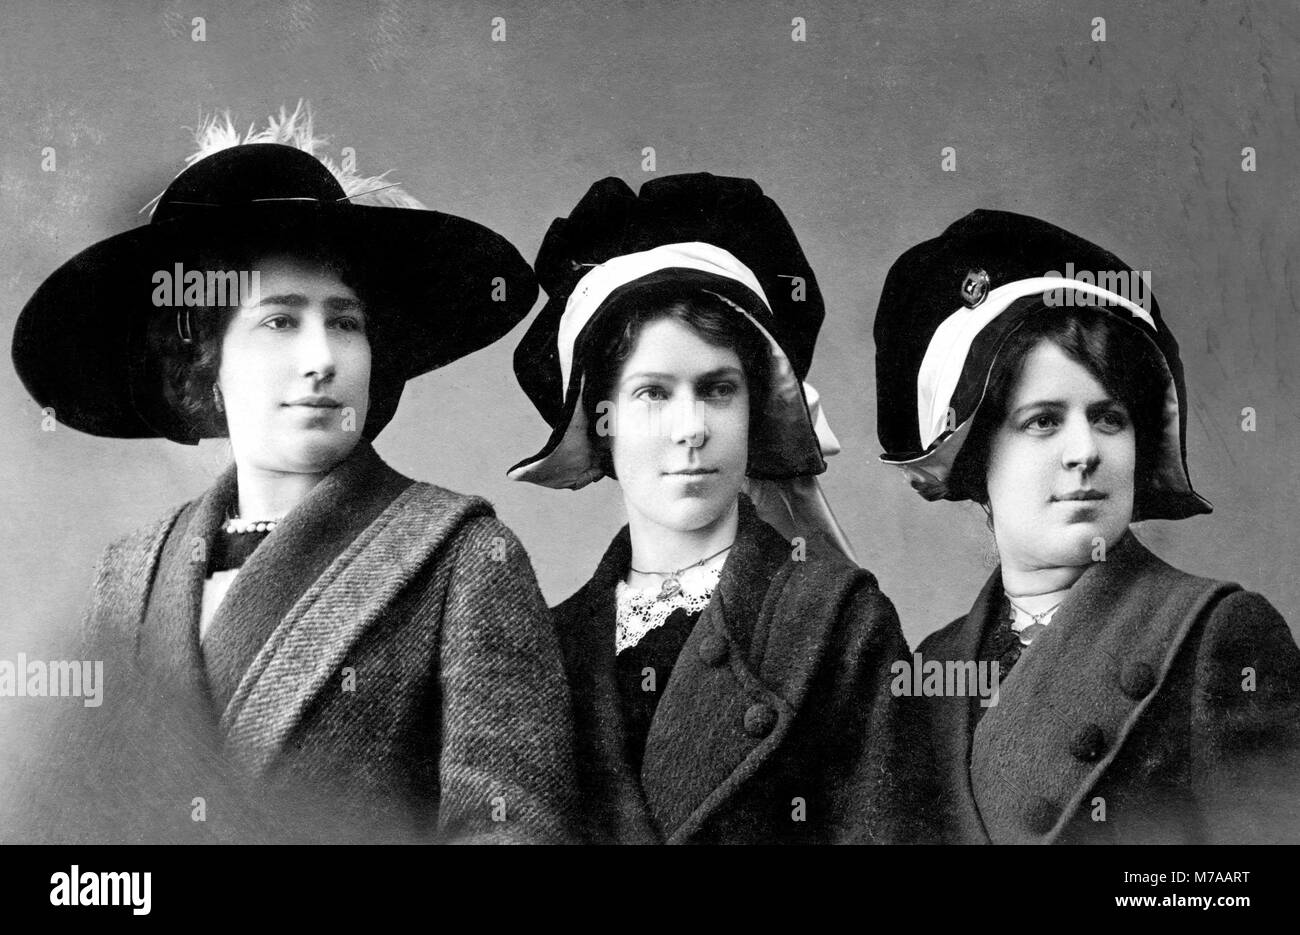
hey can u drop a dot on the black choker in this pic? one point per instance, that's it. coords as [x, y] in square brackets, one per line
[231, 549]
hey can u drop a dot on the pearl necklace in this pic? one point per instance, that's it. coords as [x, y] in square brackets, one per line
[236, 526]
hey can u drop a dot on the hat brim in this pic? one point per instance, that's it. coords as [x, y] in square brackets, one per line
[787, 448]
[449, 287]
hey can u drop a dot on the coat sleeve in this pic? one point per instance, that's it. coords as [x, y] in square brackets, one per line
[506, 761]
[1245, 730]
[879, 791]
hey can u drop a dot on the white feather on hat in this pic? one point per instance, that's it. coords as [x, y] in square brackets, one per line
[217, 132]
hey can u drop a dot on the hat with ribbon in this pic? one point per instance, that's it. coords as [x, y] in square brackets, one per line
[91, 342]
[946, 309]
[692, 232]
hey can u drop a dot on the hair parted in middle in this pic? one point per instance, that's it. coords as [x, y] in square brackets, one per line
[1126, 364]
[613, 340]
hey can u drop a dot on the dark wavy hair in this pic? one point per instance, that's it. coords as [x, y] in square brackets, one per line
[615, 337]
[189, 369]
[1126, 365]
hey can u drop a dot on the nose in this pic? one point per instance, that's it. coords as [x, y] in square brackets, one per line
[1079, 449]
[689, 426]
[315, 350]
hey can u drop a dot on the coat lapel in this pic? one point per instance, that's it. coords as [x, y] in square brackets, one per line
[311, 642]
[954, 719]
[703, 742]
[1066, 708]
[169, 636]
[291, 557]
[595, 653]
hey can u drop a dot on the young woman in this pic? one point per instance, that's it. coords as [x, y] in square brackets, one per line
[347, 635]
[730, 684]
[1137, 703]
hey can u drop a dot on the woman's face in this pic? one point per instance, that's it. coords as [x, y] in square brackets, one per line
[1061, 466]
[681, 428]
[295, 370]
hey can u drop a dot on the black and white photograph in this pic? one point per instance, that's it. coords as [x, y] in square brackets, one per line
[643, 422]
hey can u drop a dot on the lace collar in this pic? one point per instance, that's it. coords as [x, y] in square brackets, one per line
[641, 610]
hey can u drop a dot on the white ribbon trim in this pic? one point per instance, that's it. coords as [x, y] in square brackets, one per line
[946, 354]
[598, 283]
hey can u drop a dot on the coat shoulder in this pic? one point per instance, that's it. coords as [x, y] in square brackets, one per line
[1242, 629]
[826, 591]
[943, 642]
[135, 553]
[430, 498]
[123, 576]
[143, 537]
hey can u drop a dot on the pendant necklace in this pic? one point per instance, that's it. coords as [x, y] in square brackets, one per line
[1027, 635]
[672, 584]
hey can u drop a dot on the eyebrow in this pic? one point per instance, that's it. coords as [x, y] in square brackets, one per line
[1057, 404]
[341, 303]
[714, 374]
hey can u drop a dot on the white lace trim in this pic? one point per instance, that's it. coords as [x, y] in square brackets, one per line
[640, 610]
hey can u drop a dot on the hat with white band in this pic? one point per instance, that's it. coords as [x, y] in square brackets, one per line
[949, 304]
[682, 234]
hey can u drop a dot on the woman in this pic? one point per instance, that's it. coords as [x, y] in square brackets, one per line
[1137, 703]
[729, 683]
[349, 637]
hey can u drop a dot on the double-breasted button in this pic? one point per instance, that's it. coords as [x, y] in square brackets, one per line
[760, 718]
[1040, 814]
[713, 649]
[1088, 744]
[1137, 679]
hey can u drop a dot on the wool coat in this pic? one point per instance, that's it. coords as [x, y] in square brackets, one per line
[1157, 706]
[385, 653]
[776, 724]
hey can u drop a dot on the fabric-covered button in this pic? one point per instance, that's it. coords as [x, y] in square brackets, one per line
[1040, 814]
[1137, 679]
[760, 718]
[713, 649]
[1088, 744]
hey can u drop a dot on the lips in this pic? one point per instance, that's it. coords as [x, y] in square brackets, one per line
[692, 472]
[1081, 495]
[315, 402]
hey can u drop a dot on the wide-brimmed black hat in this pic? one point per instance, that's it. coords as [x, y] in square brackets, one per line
[438, 287]
[682, 232]
[949, 304]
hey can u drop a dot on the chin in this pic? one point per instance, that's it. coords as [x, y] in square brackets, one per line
[1076, 543]
[690, 514]
[318, 452]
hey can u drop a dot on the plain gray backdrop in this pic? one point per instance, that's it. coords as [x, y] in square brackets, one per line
[1135, 142]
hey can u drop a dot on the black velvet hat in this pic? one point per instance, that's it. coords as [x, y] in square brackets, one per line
[950, 303]
[694, 231]
[438, 287]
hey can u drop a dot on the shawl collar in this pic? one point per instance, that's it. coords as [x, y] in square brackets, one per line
[281, 569]
[168, 641]
[1126, 615]
[295, 554]
[308, 646]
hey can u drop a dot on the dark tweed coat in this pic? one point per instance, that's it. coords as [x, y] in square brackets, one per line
[780, 693]
[385, 652]
[1126, 720]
